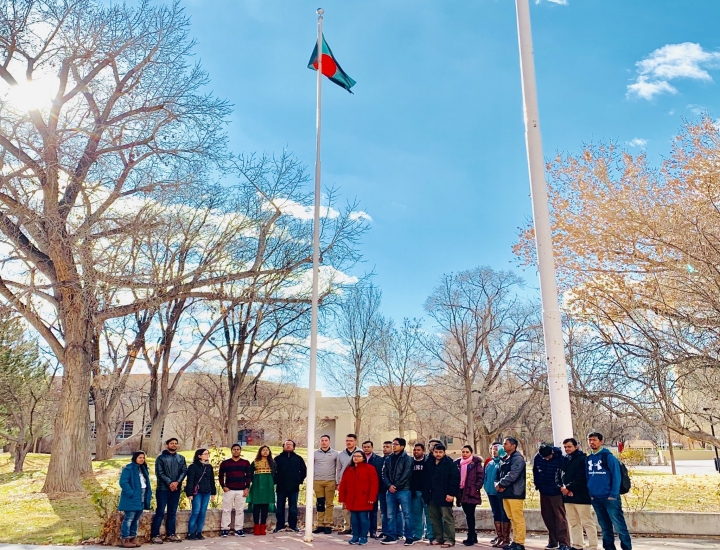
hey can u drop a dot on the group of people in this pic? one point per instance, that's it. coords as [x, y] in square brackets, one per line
[414, 494]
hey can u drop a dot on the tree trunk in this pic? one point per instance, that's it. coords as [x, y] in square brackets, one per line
[672, 452]
[21, 451]
[69, 456]
[470, 415]
[104, 449]
[230, 433]
[401, 427]
[358, 415]
[154, 440]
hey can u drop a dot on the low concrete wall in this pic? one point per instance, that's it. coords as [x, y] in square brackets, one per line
[639, 523]
[688, 455]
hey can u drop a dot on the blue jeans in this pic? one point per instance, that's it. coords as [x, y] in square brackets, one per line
[382, 502]
[610, 514]
[169, 500]
[292, 500]
[420, 519]
[360, 523]
[397, 501]
[498, 511]
[130, 523]
[197, 515]
[373, 519]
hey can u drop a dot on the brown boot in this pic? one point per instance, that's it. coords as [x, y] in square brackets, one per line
[126, 543]
[501, 541]
[135, 543]
[497, 534]
[505, 533]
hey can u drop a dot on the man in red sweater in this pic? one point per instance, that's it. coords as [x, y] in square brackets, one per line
[234, 477]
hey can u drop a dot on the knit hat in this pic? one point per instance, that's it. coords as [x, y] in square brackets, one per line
[545, 451]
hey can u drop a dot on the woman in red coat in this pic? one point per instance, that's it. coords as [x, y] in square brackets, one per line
[358, 491]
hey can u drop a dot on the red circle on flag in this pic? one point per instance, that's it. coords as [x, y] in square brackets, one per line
[329, 67]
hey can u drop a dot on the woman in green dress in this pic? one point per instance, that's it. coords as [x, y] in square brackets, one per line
[262, 489]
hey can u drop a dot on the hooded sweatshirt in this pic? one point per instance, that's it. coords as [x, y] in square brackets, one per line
[603, 475]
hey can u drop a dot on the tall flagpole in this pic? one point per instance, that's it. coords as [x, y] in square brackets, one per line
[552, 322]
[315, 290]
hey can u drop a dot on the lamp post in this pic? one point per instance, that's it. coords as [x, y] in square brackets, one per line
[712, 431]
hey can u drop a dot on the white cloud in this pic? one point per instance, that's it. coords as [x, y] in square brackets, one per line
[672, 61]
[697, 109]
[297, 210]
[560, 2]
[637, 142]
[360, 215]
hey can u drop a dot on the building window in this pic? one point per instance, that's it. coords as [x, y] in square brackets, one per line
[148, 430]
[446, 440]
[126, 430]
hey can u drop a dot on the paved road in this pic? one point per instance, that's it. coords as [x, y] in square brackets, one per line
[685, 467]
[286, 541]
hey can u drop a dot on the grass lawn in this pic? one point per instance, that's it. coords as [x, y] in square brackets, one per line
[28, 516]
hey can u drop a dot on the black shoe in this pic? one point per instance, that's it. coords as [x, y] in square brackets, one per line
[239, 533]
[345, 532]
[295, 530]
[389, 540]
[468, 542]
[198, 536]
[552, 546]
[328, 530]
[224, 533]
[319, 531]
[191, 536]
[409, 542]
[277, 529]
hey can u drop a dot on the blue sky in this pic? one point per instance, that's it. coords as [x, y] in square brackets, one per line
[432, 141]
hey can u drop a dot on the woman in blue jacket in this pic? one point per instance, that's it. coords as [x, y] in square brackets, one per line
[135, 496]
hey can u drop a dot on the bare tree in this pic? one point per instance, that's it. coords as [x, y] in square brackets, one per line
[358, 326]
[128, 117]
[402, 365]
[485, 326]
[110, 377]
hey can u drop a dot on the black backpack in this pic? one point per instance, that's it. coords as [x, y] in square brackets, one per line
[625, 482]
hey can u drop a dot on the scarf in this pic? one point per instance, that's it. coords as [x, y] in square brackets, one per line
[463, 470]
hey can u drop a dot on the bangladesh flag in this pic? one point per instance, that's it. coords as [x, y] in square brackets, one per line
[330, 67]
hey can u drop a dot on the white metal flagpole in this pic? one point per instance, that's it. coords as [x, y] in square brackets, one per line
[552, 322]
[315, 290]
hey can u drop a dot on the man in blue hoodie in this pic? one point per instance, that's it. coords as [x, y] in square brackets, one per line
[603, 475]
[546, 464]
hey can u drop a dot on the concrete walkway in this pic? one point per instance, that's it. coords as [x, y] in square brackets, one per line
[288, 541]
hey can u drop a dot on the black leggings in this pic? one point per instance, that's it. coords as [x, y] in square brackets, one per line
[260, 513]
[469, 510]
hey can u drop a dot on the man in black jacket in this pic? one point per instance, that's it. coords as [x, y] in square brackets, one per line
[291, 472]
[572, 480]
[397, 469]
[442, 485]
[546, 464]
[170, 470]
[511, 489]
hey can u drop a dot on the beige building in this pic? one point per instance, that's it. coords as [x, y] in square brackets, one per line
[268, 414]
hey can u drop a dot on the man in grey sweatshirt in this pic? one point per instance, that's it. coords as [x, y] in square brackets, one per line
[325, 459]
[344, 458]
